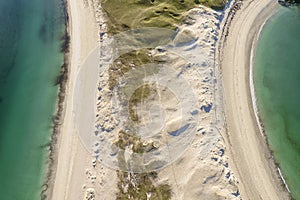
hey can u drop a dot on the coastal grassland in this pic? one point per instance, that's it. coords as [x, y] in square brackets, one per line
[138, 96]
[126, 62]
[126, 140]
[138, 185]
[133, 141]
[141, 186]
[128, 14]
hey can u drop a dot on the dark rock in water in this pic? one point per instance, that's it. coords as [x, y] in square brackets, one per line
[291, 1]
[59, 79]
[65, 43]
[206, 108]
[43, 32]
[1, 99]
[288, 3]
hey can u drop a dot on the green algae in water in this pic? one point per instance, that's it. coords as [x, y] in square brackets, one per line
[277, 85]
[30, 42]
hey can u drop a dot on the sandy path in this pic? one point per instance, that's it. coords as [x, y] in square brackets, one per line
[249, 152]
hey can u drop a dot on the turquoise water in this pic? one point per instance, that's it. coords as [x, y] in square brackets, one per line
[277, 85]
[30, 60]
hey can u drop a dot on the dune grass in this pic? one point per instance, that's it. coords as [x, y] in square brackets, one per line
[125, 62]
[138, 97]
[139, 186]
[129, 14]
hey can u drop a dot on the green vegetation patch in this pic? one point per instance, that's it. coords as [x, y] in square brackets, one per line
[134, 142]
[214, 4]
[128, 14]
[126, 62]
[139, 186]
[126, 140]
[138, 97]
[140, 94]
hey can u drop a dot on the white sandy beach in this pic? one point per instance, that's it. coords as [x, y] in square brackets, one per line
[226, 157]
[72, 175]
[250, 155]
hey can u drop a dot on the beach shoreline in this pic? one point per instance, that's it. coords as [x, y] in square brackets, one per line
[234, 86]
[79, 39]
[254, 98]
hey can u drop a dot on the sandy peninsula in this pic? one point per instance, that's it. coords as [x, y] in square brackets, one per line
[228, 157]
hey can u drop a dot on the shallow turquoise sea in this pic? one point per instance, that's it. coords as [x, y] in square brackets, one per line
[30, 61]
[276, 74]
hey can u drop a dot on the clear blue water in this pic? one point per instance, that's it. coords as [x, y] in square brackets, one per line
[30, 61]
[277, 84]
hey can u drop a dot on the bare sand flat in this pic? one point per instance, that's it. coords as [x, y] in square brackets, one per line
[250, 155]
